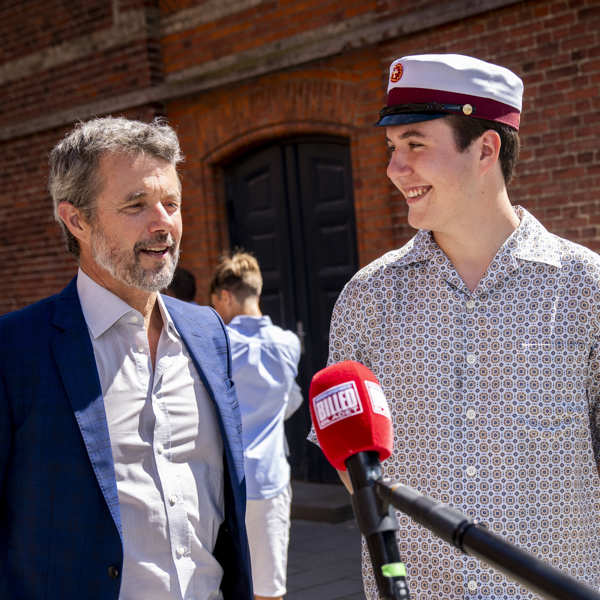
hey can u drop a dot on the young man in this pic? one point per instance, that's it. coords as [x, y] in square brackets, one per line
[121, 468]
[265, 365]
[483, 331]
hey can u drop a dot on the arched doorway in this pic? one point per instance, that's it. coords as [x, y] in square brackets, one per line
[291, 204]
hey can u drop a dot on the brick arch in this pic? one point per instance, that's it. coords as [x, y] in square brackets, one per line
[275, 104]
[237, 147]
[240, 145]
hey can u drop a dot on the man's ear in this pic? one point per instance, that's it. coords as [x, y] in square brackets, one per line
[227, 297]
[222, 296]
[489, 145]
[73, 220]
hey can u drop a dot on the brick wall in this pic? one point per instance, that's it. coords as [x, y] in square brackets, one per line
[234, 75]
[258, 24]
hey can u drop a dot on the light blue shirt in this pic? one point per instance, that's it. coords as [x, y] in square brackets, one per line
[265, 365]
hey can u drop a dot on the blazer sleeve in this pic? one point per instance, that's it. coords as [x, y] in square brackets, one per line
[5, 433]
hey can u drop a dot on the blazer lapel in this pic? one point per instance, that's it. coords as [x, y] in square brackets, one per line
[72, 348]
[211, 363]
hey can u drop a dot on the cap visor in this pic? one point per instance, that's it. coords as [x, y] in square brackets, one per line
[404, 118]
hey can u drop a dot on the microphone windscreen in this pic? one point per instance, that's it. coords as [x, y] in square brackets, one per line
[349, 413]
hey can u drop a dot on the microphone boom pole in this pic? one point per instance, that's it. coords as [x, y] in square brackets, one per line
[377, 522]
[474, 539]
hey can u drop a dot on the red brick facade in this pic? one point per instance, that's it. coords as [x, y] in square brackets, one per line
[231, 76]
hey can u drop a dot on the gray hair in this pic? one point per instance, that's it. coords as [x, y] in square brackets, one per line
[74, 176]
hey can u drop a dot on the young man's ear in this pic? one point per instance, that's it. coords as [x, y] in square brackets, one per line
[489, 145]
[74, 222]
[226, 297]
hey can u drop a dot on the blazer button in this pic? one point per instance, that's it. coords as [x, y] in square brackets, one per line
[113, 572]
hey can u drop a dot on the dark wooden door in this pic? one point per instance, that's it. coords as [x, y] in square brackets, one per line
[291, 204]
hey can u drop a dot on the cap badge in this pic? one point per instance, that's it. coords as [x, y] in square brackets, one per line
[396, 73]
[467, 109]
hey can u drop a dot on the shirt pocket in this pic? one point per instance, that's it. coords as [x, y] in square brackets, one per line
[554, 373]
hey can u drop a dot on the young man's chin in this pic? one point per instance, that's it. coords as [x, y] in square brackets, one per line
[417, 220]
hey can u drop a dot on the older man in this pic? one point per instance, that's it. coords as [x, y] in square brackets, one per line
[121, 466]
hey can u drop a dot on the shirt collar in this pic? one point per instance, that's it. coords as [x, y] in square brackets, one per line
[102, 309]
[168, 322]
[531, 241]
[248, 324]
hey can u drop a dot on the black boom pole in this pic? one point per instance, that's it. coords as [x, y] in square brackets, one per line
[474, 539]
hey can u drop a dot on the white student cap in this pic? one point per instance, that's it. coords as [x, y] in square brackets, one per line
[430, 86]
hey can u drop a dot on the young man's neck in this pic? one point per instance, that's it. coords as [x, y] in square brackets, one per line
[472, 248]
[250, 306]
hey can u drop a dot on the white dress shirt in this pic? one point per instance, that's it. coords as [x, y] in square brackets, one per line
[167, 451]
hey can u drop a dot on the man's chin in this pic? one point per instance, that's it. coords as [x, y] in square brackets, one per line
[148, 280]
[151, 280]
[155, 283]
[131, 272]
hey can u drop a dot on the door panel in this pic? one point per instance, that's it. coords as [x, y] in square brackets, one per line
[325, 183]
[291, 205]
[258, 221]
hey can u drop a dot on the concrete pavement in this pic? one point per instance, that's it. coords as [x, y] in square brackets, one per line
[324, 556]
[324, 561]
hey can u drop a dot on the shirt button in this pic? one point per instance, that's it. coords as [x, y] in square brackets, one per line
[180, 551]
[159, 448]
[172, 500]
[113, 572]
[471, 471]
[471, 414]
[470, 304]
[471, 359]
[472, 586]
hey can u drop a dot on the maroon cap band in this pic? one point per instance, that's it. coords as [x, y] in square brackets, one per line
[483, 108]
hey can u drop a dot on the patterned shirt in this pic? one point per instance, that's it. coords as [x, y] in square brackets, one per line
[494, 398]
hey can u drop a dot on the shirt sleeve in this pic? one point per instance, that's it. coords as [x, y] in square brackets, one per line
[347, 325]
[293, 349]
[294, 400]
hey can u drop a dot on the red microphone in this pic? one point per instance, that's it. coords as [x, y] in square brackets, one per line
[353, 425]
[350, 413]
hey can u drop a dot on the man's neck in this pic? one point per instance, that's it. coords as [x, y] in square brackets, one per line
[472, 249]
[140, 300]
[251, 307]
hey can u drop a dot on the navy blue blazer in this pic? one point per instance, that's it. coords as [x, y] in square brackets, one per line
[60, 526]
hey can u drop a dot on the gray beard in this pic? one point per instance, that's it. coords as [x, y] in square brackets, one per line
[127, 268]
